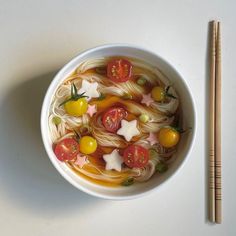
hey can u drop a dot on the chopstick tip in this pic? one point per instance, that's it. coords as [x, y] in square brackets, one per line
[217, 22]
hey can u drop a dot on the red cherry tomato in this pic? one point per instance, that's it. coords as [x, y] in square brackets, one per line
[67, 149]
[136, 156]
[119, 70]
[112, 118]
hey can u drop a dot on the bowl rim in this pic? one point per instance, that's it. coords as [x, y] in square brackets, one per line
[47, 98]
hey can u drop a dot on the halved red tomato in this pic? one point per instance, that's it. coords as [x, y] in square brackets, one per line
[136, 156]
[67, 149]
[112, 118]
[119, 70]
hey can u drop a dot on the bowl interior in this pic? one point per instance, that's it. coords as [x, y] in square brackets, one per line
[188, 121]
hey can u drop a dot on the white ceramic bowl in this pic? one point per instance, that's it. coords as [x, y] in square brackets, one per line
[189, 119]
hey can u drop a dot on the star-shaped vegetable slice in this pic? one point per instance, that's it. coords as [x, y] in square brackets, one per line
[92, 109]
[147, 99]
[128, 129]
[89, 89]
[81, 160]
[152, 139]
[113, 160]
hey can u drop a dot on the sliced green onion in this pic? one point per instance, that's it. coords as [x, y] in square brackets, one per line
[161, 167]
[144, 118]
[152, 153]
[127, 96]
[101, 97]
[141, 81]
[101, 70]
[129, 181]
[56, 120]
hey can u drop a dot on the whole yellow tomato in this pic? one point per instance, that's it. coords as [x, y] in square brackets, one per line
[76, 108]
[87, 144]
[168, 137]
[158, 94]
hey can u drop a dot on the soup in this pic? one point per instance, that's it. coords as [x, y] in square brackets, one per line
[115, 121]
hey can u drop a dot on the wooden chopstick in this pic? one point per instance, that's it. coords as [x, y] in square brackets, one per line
[215, 125]
[212, 123]
[218, 217]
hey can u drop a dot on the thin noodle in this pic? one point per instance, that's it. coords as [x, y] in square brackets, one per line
[158, 113]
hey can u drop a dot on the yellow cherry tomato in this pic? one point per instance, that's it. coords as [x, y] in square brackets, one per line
[87, 145]
[158, 93]
[168, 137]
[76, 108]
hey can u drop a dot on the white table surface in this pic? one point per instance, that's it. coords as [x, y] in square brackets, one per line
[37, 38]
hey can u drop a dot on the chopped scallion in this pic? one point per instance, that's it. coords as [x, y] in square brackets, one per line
[129, 181]
[102, 70]
[56, 120]
[141, 81]
[152, 153]
[161, 167]
[127, 96]
[144, 118]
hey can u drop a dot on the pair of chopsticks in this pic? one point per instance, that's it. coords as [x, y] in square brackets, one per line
[215, 214]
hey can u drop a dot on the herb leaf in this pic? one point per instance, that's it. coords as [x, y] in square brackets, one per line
[180, 130]
[75, 89]
[77, 135]
[167, 89]
[129, 181]
[169, 94]
[74, 95]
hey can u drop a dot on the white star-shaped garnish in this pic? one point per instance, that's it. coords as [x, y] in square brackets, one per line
[152, 139]
[147, 99]
[113, 160]
[90, 89]
[128, 129]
